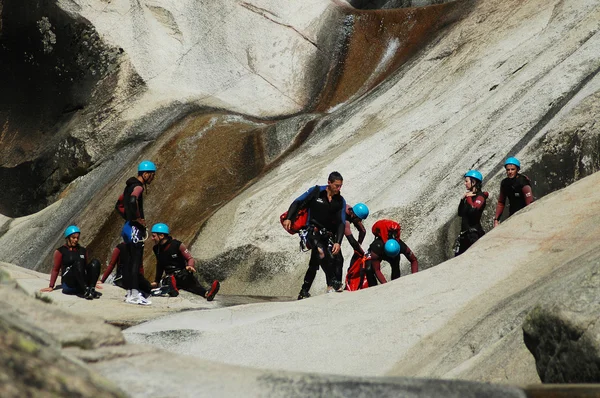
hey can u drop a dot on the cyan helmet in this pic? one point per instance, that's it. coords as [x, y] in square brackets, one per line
[391, 248]
[513, 161]
[361, 210]
[71, 229]
[148, 166]
[474, 174]
[160, 228]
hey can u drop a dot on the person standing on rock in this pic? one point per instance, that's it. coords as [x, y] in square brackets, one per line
[175, 261]
[77, 275]
[325, 228]
[516, 187]
[131, 206]
[354, 216]
[120, 258]
[470, 209]
[387, 246]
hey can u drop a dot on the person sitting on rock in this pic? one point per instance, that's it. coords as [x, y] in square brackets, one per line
[78, 277]
[175, 261]
[470, 209]
[120, 258]
[516, 187]
[387, 246]
[326, 223]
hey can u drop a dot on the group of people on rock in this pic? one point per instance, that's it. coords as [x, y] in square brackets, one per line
[322, 218]
[173, 259]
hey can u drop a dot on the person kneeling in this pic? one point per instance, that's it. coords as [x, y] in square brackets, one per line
[77, 275]
[175, 261]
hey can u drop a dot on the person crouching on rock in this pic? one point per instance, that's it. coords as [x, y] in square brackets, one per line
[387, 246]
[470, 209]
[176, 262]
[120, 258]
[77, 275]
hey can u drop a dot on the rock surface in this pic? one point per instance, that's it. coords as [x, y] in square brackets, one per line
[562, 331]
[32, 334]
[40, 361]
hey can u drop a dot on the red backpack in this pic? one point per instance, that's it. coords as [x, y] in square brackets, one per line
[298, 223]
[386, 229]
[356, 277]
[302, 217]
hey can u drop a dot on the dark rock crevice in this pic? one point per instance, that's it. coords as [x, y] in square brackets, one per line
[50, 65]
[388, 4]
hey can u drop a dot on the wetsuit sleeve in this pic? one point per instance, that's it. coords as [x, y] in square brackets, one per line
[57, 262]
[341, 217]
[500, 205]
[299, 203]
[187, 255]
[527, 194]
[362, 231]
[159, 272]
[355, 245]
[410, 256]
[133, 201]
[113, 261]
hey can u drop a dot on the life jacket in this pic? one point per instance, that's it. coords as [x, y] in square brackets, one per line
[71, 257]
[513, 190]
[168, 256]
[386, 229]
[353, 276]
[122, 202]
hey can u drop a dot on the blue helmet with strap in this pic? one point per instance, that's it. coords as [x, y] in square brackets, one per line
[361, 210]
[391, 248]
[71, 229]
[513, 161]
[160, 228]
[146, 165]
[474, 174]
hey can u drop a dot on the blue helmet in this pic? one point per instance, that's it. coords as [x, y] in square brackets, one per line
[71, 229]
[361, 210]
[148, 166]
[391, 248]
[513, 161]
[474, 174]
[160, 228]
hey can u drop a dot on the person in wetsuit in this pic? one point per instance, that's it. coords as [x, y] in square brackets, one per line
[516, 187]
[175, 261]
[325, 225]
[470, 209]
[120, 259]
[354, 216]
[131, 206]
[387, 246]
[77, 275]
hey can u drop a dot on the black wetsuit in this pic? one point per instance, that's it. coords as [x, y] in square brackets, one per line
[326, 220]
[171, 259]
[470, 210]
[377, 252]
[133, 233]
[120, 258]
[518, 192]
[77, 274]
